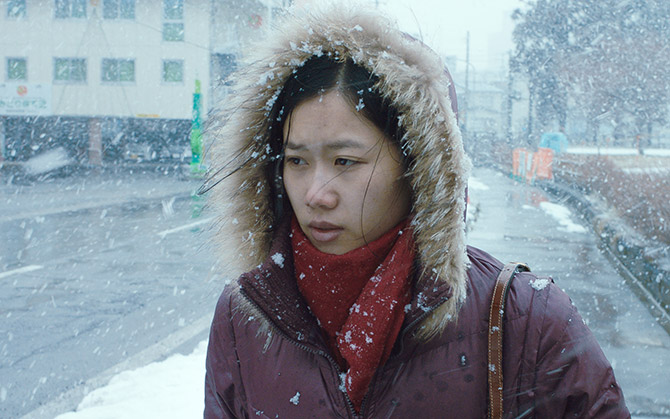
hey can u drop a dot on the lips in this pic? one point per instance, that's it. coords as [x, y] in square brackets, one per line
[323, 231]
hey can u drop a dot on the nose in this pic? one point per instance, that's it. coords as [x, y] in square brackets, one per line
[321, 192]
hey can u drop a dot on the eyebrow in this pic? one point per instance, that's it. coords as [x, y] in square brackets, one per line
[332, 145]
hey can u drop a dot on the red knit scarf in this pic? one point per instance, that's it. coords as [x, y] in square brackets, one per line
[358, 299]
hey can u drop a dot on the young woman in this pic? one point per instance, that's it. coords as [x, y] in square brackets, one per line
[360, 297]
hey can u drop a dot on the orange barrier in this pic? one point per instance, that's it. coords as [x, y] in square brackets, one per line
[528, 166]
[521, 163]
[542, 163]
[515, 162]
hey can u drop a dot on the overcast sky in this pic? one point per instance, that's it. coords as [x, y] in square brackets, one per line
[444, 24]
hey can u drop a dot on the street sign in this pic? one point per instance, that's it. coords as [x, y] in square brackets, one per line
[25, 99]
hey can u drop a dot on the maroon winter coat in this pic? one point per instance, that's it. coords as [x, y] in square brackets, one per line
[552, 364]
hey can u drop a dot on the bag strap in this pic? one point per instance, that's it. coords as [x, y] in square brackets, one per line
[495, 341]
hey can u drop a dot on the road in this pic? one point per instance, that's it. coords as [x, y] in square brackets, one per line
[92, 272]
[513, 225]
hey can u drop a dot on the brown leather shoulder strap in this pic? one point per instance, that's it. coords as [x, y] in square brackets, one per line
[495, 378]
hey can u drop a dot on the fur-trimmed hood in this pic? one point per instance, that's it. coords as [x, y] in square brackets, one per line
[410, 75]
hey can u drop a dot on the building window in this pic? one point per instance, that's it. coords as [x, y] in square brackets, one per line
[70, 8]
[16, 9]
[17, 69]
[173, 31]
[115, 70]
[173, 71]
[70, 70]
[118, 9]
[173, 20]
[173, 9]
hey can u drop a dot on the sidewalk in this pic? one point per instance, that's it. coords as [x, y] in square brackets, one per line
[518, 222]
[640, 259]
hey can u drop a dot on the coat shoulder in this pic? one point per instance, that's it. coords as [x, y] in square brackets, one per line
[528, 291]
[234, 311]
[553, 362]
[227, 304]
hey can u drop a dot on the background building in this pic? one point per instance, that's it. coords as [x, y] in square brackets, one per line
[114, 79]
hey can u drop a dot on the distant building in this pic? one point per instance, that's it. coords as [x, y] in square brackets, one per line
[482, 106]
[485, 108]
[114, 79]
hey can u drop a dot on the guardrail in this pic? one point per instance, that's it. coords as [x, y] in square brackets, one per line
[649, 275]
[631, 258]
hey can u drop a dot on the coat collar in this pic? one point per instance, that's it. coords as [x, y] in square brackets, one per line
[273, 290]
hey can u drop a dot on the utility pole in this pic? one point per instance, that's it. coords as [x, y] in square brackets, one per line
[510, 100]
[2, 139]
[531, 94]
[467, 83]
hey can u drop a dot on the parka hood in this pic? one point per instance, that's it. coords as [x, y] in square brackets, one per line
[410, 75]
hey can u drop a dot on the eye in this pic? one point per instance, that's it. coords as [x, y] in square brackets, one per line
[344, 162]
[294, 161]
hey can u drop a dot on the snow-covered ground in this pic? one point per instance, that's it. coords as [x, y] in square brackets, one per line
[476, 184]
[606, 151]
[619, 151]
[562, 215]
[660, 152]
[646, 170]
[47, 161]
[170, 389]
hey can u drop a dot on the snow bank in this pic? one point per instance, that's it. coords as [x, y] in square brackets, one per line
[619, 151]
[476, 184]
[661, 152]
[562, 215]
[47, 161]
[173, 388]
[646, 170]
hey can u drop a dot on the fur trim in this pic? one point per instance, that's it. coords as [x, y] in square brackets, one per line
[411, 76]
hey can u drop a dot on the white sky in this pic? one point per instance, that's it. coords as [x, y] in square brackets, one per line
[445, 23]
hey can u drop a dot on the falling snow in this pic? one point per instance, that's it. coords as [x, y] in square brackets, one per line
[540, 283]
[278, 259]
[76, 230]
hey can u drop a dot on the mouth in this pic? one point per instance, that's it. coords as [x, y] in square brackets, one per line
[323, 231]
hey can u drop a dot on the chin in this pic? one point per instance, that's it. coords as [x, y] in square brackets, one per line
[333, 249]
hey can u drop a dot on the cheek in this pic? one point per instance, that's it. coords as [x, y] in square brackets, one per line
[292, 188]
[384, 191]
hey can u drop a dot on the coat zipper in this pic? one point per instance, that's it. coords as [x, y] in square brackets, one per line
[330, 359]
[409, 327]
[306, 348]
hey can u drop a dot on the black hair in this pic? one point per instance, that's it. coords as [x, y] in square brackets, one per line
[319, 75]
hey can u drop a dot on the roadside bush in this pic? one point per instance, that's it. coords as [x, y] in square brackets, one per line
[640, 198]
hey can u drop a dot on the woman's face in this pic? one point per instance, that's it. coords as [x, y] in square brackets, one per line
[343, 176]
